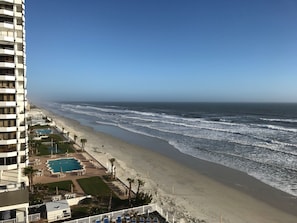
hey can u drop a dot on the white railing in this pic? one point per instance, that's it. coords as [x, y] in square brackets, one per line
[13, 220]
[34, 217]
[146, 209]
[31, 217]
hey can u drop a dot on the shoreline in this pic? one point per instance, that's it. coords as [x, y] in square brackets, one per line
[230, 177]
[198, 188]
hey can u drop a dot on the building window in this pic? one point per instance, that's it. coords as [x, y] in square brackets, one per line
[8, 148]
[8, 59]
[8, 160]
[7, 97]
[7, 72]
[23, 159]
[7, 111]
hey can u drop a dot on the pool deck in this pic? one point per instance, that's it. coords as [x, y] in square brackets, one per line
[92, 167]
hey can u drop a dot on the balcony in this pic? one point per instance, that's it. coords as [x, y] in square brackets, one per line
[6, 12]
[19, 27]
[20, 78]
[7, 77]
[18, 14]
[21, 117]
[22, 128]
[19, 53]
[9, 167]
[23, 153]
[6, 25]
[7, 103]
[7, 64]
[7, 90]
[19, 40]
[7, 38]
[8, 129]
[6, 51]
[8, 142]
[20, 66]
[23, 140]
[8, 116]
[8, 154]
[8, 1]
[18, 1]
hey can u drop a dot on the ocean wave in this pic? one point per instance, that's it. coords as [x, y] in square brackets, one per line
[107, 123]
[266, 152]
[279, 120]
[275, 127]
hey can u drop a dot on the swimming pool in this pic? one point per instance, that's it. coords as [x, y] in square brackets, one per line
[43, 131]
[64, 165]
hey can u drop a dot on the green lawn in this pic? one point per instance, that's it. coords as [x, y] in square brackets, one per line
[62, 149]
[62, 185]
[94, 186]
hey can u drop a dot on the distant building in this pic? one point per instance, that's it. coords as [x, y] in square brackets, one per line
[14, 197]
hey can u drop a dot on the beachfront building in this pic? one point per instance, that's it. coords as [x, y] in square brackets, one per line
[14, 199]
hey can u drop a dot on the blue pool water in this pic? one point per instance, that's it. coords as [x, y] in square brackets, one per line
[66, 165]
[43, 131]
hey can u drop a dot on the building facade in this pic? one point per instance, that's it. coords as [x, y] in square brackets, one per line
[14, 198]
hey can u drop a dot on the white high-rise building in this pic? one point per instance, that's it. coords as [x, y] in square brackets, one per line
[14, 197]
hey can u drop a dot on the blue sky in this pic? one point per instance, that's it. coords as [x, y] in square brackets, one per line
[162, 50]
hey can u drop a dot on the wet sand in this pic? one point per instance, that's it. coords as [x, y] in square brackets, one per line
[188, 188]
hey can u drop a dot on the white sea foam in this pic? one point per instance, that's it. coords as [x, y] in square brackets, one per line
[264, 151]
[275, 127]
[279, 120]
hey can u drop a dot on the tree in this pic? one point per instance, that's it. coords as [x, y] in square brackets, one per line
[110, 202]
[75, 138]
[30, 172]
[140, 183]
[131, 181]
[112, 172]
[83, 143]
[32, 146]
[143, 199]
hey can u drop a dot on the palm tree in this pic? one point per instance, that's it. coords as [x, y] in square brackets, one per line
[32, 146]
[29, 171]
[75, 137]
[140, 184]
[110, 202]
[112, 160]
[130, 180]
[83, 143]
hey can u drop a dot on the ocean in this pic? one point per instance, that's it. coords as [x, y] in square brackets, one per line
[257, 139]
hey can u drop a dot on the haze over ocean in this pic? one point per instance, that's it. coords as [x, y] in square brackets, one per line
[258, 139]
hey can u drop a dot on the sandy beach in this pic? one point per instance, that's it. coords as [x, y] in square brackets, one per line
[186, 187]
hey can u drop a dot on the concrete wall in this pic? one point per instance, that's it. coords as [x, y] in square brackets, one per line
[74, 201]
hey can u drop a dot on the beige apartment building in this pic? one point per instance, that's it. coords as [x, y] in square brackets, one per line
[14, 199]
